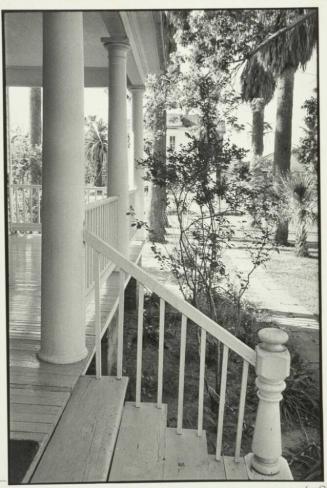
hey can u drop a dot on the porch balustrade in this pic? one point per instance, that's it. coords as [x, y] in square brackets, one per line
[25, 204]
[271, 360]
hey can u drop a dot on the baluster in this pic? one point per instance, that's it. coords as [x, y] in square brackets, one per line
[38, 205]
[222, 403]
[244, 382]
[16, 205]
[24, 205]
[181, 376]
[91, 248]
[97, 314]
[201, 380]
[87, 253]
[120, 324]
[31, 204]
[161, 351]
[139, 345]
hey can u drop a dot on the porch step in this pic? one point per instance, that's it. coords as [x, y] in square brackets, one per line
[82, 445]
[186, 456]
[140, 449]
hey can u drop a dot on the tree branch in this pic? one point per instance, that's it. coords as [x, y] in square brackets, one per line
[279, 32]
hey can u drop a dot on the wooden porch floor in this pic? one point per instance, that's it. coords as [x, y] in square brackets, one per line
[39, 391]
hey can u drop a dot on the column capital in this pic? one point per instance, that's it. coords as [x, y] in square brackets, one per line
[136, 88]
[114, 42]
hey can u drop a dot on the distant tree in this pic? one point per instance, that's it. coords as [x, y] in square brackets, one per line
[258, 87]
[282, 53]
[96, 149]
[24, 157]
[307, 151]
[299, 192]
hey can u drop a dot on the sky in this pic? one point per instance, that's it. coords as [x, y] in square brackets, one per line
[96, 103]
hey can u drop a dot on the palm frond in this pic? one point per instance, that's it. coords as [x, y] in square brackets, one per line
[291, 48]
[257, 81]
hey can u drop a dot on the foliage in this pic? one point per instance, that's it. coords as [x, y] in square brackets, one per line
[294, 40]
[308, 148]
[26, 160]
[301, 398]
[299, 196]
[306, 459]
[96, 149]
[207, 171]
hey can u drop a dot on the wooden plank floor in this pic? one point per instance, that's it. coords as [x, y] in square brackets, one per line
[82, 445]
[39, 391]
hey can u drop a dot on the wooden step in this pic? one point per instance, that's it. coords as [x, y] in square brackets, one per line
[140, 449]
[82, 445]
[186, 456]
[226, 468]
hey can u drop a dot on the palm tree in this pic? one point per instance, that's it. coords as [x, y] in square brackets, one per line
[96, 147]
[258, 86]
[299, 192]
[290, 47]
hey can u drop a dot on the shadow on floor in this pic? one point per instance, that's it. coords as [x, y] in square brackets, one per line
[21, 454]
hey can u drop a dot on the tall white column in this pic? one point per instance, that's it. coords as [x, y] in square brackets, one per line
[118, 142]
[137, 114]
[62, 275]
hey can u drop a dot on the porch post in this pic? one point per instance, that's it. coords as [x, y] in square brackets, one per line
[62, 274]
[272, 367]
[118, 142]
[137, 113]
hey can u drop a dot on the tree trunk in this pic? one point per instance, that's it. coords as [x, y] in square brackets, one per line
[301, 240]
[157, 216]
[98, 175]
[36, 128]
[258, 111]
[283, 138]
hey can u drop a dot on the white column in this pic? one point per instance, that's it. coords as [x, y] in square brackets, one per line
[62, 275]
[118, 144]
[137, 114]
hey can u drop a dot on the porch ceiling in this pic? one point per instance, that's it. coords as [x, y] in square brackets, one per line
[23, 46]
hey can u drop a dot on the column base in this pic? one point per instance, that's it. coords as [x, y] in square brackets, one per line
[64, 359]
[252, 466]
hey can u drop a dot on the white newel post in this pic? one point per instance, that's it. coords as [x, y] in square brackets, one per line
[272, 367]
[118, 141]
[137, 113]
[62, 273]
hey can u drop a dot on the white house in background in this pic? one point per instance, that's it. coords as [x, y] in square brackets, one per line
[178, 125]
[85, 431]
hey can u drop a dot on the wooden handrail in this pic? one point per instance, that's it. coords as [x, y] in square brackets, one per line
[98, 203]
[181, 305]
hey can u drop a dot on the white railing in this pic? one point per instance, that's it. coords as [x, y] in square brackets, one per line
[94, 193]
[25, 204]
[101, 218]
[271, 360]
[25, 207]
[188, 312]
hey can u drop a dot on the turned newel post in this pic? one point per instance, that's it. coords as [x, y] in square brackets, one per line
[272, 367]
